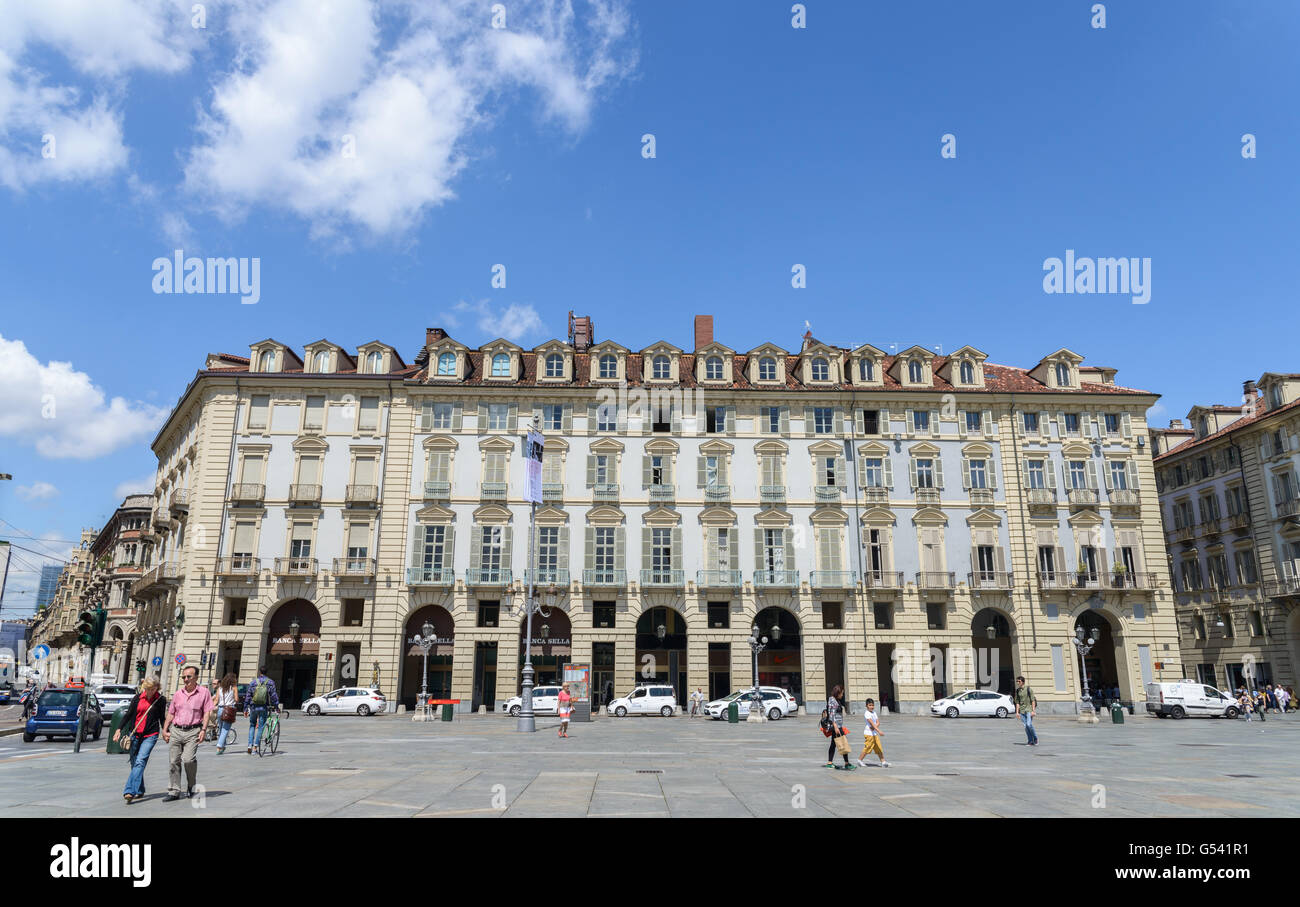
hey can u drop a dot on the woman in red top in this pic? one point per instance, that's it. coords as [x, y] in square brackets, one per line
[566, 706]
[144, 718]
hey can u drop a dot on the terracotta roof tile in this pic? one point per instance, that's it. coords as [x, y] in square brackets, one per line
[1244, 422]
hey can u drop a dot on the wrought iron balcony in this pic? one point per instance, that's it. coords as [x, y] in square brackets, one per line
[553, 493]
[296, 566]
[833, 579]
[1123, 579]
[1183, 533]
[828, 494]
[241, 565]
[549, 576]
[875, 494]
[363, 495]
[1238, 520]
[1288, 508]
[718, 579]
[776, 579]
[1041, 497]
[1125, 497]
[488, 576]
[354, 566]
[1057, 579]
[180, 502]
[717, 494]
[930, 579]
[771, 494]
[1209, 526]
[928, 496]
[304, 494]
[494, 491]
[430, 576]
[1081, 497]
[662, 494]
[437, 491]
[673, 578]
[241, 493]
[605, 492]
[1085, 579]
[989, 579]
[981, 497]
[884, 579]
[604, 577]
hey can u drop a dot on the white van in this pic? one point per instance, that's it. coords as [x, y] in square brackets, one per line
[1187, 698]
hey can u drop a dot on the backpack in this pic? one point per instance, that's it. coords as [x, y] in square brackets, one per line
[261, 693]
[827, 726]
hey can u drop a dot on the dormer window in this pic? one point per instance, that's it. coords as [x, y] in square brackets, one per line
[821, 370]
[866, 370]
[447, 364]
[914, 372]
[967, 372]
[321, 361]
[608, 366]
[1062, 375]
[1274, 396]
[767, 369]
[375, 362]
[266, 361]
[554, 366]
[501, 365]
[713, 368]
[661, 368]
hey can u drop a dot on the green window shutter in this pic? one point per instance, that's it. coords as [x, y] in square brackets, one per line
[911, 464]
[456, 410]
[506, 547]
[589, 558]
[591, 470]
[476, 548]
[733, 548]
[566, 418]
[965, 474]
[938, 472]
[784, 420]
[645, 471]
[449, 549]
[809, 423]
[838, 421]
[1131, 466]
[646, 559]
[564, 548]
[620, 548]
[677, 548]
[701, 472]
[840, 468]
[758, 548]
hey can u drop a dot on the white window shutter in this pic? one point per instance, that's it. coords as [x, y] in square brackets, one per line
[564, 548]
[965, 474]
[938, 472]
[912, 471]
[1091, 475]
[934, 423]
[840, 480]
[883, 418]
[646, 462]
[566, 418]
[620, 548]
[838, 422]
[1126, 425]
[889, 471]
[961, 423]
[859, 423]
[731, 420]
[701, 472]
[992, 471]
[784, 420]
[987, 423]
[1049, 470]
[1105, 473]
[591, 470]
[809, 424]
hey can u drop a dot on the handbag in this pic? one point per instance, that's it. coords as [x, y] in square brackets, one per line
[228, 714]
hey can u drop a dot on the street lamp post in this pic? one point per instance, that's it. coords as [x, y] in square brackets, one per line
[1083, 644]
[758, 644]
[425, 640]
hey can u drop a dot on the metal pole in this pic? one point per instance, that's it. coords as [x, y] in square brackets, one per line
[527, 722]
[81, 712]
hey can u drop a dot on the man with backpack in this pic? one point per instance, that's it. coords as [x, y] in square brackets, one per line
[259, 697]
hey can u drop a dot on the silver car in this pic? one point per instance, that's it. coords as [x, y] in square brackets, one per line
[112, 696]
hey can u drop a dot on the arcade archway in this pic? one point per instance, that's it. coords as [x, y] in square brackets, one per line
[1102, 663]
[781, 663]
[292, 647]
[661, 649]
[991, 643]
[440, 655]
[552, 647]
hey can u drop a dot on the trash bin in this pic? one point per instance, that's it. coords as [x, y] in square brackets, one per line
[733, 713]
[1116, 713]
[447, 710]
[119, 719]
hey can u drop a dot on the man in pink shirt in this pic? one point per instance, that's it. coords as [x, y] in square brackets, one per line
[187, 714]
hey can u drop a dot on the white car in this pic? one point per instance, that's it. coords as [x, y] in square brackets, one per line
[1188, 698]
[974, 704]
[546, 701]
[646, 699]
[347, 701]
[112, 696]
[777, 703]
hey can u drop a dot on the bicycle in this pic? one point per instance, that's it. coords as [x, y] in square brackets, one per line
[270, 738]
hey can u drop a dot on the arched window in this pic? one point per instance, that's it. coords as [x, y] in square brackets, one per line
[266, 361]
[554, 366]
[767, 369]
[821, 370]
[608, 366]
[866, 370]
[374, 362]
[914, 372]
[322, 361]
[501, 365]
[713, 368]
[662, 368]
[967, 372]
[447, 364]
[1062, 375]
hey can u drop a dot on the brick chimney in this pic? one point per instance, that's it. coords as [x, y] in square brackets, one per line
[433, 335]
[1176, 423]
[703, 331]
[1248, 390]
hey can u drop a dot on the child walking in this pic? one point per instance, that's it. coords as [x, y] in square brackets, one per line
[871, 736]
[566, 706]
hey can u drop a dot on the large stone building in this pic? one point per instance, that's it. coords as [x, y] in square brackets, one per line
[120, 554]
[56, 625]
[880, 510]
[1231, 504]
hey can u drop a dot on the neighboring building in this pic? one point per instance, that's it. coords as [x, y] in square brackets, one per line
[49, 583]
[120, 554]
[1231, 503]
[13, 650]
[56, 625]
[313, 513]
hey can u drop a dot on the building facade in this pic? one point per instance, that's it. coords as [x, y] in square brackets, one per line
[120, 555]
[904, 525]
[56, 625]
[49, 584]
[1231, 503]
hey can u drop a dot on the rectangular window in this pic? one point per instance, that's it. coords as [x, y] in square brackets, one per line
[1071, 423]
[489, 614]
[1030, 421]
[823, 420]
[1037, 474]
[1047, 560]
[314, 417]
[1058, 667]
[920, 420]
[1244, 560]
[661, 553]
[251, 471]
[773, 549]
[883, 615]
[602, 468]
[873, 472]
[771, 420]
[871, 421]
[433, 553]
[924, 473]
[440, 415]
[498, 416]
[358, 544]
[490, 544]
[548, 552]
[719, 615]
[832, 615]
[715, 419]
[354, 610]
[978, 474]
[258, 408]
[369, 414]
[553, 417]
[771, 471]
[1112, 423]
[603, 537]
[827, 471]
[1119, 475]
[973, 421]
[936, 615]
[439, 466]
[607, 417]
[1078, 473]
[494, 467]
[300, 542]
[604, 614]
[242, 548]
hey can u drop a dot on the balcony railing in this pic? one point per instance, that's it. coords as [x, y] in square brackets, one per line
[989, 579]
[354, 566]
[605, 492]
[437, 491]
[833, 579]
[242, 493]
[304, 494]
[362, 494]
[662, 494]
[981, 497]
[239, 565]
[604, 577]
[1209, 526]
[884, 579]
[430, 576]
[1126, 580]
[928, 496]
[1087, 579]
[488, 576]
[929, 579]
[180, 502]
[1124, 497]
[550, 576]
[771, 494]
[553, 493]
[1288, 508]
[296, 566]
[828, 494]
[1238, 520]
[1041, 497]
[717, 494]
[776, 579]
[1057, 579]
[1184, 533]
[875, 494]
[494, 491]
[663, 578]
[1082, 497]
[718, 579]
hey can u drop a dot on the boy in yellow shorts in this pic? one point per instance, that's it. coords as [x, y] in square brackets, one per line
[871, 736]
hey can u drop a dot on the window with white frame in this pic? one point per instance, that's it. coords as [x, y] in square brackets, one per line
[770, 420]
[501, 366]
[967, 372]
[920, 420]
[1077, 473]
[823, 420]
[434, 552]
[498, 416]
[266, 361]
[924, 470]
[977, 469]
[1062, 375]
[447, 364]
[491, 544]
[368, 414]
[553, 417]
[766, 369]
[915, 373]
[974, 421]
[821, 369]
[662, 368]
[866, 370]
[554, 365]
[608, 366]
[314, 414]
[374, 362]
[321, 361]
[259, 409]
[1119, 475]
[439, 415]
[713, 368]
[607, 417]
[873, 472]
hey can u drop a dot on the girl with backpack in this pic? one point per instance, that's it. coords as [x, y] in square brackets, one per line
[833, 727]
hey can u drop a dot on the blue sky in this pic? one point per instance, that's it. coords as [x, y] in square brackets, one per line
[775, 146]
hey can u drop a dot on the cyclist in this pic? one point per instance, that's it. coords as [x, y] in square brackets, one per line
[259, 696]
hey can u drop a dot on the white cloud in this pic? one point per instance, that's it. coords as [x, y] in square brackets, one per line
[142, 485]
[410, 94]
[514, 322]
[61, 412]
[37, 491]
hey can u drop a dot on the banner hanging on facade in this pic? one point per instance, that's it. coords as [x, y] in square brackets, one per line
[533, 445]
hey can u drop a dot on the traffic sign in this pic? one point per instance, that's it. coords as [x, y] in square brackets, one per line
[157, 660]
[180, 658]
[41, 651]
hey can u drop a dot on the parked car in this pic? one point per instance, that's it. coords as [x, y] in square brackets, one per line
[546, 701]
[974, 704]
[347, 701]
[56, 715]
[645, 699]
[113, 696]
[1187, 698]
[777, 703]
[4, 694]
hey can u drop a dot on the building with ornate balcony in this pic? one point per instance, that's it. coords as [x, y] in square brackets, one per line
[868, 505]
[121, 556]
[1230, 498]
[55, 625]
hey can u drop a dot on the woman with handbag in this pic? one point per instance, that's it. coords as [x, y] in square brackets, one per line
[226, 699]
[144, 718]
[835, 721]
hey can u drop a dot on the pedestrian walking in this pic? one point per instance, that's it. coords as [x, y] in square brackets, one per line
[259, 696]
[1026, 708]
[227, 698]
[144, 717]
[186, 716]
[871, 736]
[697, 699]
[564, 707]
[839, 739]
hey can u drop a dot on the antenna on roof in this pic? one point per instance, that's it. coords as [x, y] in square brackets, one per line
[938, 348]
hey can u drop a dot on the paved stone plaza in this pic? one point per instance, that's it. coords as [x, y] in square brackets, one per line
[478, 766]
